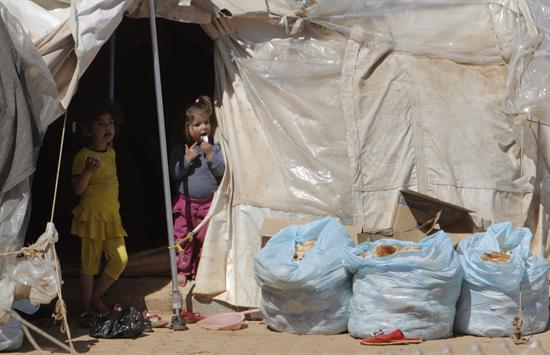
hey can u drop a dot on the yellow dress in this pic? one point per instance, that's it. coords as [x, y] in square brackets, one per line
[97, 215]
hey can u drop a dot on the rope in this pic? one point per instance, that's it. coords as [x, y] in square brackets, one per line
[26, 324]
[27, 251]
[31, 339]
[189, 237]
[60, 312]
[59, 165]
[60, 306]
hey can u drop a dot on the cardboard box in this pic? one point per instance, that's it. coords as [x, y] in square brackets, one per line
[271, 226]
[416, 215]
[414, 211]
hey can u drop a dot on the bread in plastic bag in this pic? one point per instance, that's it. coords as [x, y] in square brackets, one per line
[493, 290]
[415, 289]
[311, 295]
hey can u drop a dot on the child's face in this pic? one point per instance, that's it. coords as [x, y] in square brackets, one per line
[102, 130]
[199, 126]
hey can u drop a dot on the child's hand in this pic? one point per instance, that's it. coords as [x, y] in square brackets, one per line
[191, 153]
[92, 164]
[207, 150]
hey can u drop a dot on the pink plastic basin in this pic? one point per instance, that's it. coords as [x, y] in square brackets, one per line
[222, 321]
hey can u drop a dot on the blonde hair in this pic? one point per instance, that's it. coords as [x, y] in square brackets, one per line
[202, 105]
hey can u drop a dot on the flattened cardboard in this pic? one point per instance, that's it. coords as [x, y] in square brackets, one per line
[414, 218]
[413, 209]
[271, 226]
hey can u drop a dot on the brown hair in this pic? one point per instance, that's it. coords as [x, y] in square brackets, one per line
[202, 105]
[85, 120]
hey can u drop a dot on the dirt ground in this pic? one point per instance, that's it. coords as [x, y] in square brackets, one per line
[255, 338]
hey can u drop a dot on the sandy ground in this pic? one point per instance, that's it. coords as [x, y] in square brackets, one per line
[255, 338]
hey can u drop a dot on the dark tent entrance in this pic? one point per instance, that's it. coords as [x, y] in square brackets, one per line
[187, 71]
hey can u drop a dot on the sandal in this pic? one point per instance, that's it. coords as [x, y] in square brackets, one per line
[86, 320]
[394, 338]
[191, 317]
[155, 320]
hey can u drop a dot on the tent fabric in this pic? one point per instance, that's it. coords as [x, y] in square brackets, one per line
[401, 119]
[18, 131]
[331, 107]
[21, 132]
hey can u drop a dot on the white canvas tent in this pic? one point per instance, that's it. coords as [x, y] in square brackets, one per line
[331, 107]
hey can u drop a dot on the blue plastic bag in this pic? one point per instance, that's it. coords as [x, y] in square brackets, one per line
[414, 290]
[310, 296]
[11, 335]
[492, 292]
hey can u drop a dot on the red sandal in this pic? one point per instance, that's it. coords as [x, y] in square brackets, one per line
[191, 317]
[394, 338]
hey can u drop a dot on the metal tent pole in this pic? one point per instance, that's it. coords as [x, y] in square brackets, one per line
[111, 94]
[178, 322]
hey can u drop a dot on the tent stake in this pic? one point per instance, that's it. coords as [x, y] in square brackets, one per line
[178, 322]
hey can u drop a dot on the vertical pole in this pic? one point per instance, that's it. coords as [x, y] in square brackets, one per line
[111, 95]
[178, 322]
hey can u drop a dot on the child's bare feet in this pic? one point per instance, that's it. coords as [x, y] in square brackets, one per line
[182, 280]
[99, 306]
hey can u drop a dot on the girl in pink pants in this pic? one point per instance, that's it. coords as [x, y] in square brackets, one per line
[198, 166]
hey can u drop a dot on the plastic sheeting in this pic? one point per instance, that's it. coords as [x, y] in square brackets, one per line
[494, 293]
[437, 96]
[35, 271]
[11, 332]
[11, 335]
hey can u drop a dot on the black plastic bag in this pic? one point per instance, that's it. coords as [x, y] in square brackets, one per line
[126, 324]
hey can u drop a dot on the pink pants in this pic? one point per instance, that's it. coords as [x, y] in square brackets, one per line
[188, 261]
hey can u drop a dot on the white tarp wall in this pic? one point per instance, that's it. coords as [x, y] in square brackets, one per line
[336, 111]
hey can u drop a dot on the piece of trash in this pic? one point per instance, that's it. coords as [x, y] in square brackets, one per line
[253, 314]
[222, 321]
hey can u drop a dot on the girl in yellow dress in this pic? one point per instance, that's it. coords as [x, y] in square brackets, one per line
[96, 219]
